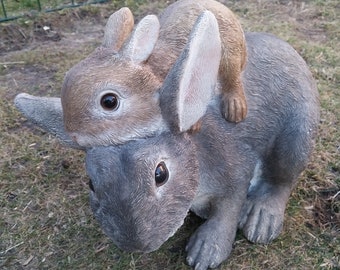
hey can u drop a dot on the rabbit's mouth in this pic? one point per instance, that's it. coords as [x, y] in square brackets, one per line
[128, 240]
[134, 246]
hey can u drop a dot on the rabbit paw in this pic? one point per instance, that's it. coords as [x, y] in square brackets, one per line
[262, 216]
[209, 246]
[234, 106]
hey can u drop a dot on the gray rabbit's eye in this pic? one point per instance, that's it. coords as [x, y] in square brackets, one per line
[161, 174]
[91, 185]
[109, 102]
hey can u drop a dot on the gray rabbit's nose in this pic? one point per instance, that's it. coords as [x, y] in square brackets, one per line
[133, 246]
[130, 242]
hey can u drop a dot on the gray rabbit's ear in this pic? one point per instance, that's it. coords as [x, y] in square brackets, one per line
[189, 86]
[142, 41]
[47, 113]
[118, 28]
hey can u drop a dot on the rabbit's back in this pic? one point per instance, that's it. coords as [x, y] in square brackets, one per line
[280, 89]
[281, 94]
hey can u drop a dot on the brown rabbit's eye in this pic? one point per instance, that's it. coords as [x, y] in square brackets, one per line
[161, 174]
[109, 102]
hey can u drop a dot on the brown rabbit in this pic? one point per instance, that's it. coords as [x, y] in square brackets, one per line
[112, 96]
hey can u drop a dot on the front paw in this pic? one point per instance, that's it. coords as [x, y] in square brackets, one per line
[208, 247]
[234, 106]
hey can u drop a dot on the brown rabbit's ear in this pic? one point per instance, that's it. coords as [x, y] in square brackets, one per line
[118, 28]
[191, 82]
[142, 40]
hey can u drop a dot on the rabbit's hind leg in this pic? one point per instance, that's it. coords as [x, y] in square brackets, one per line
[263, 211]
[262, 214]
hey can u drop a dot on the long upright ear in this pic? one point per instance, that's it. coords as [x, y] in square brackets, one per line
[47, 113]
[118, 28]
[189, 85]
[142, 40]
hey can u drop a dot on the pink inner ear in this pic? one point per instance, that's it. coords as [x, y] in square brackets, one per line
[200, 71]
[143, 40]
[193, 95]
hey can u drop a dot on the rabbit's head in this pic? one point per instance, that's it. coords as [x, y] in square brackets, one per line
[143, 189]
[111, 96]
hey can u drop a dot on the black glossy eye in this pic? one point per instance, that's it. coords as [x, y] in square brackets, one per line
[161, 174]
[91, 185]
[109, 102]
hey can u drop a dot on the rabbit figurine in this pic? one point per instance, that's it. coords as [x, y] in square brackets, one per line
[111, 97]
[232, 175]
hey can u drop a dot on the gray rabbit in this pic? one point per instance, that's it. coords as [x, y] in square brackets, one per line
[233, 175]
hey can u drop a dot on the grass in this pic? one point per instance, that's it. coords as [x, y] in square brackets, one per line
[46, 221]
[14, 8]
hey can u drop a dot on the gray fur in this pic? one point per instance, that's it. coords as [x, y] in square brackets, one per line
[233, 175]
[47, 113]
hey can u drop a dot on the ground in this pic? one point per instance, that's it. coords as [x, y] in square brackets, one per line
[45, 218]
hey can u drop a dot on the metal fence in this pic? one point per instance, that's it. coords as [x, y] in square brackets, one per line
[14, 9]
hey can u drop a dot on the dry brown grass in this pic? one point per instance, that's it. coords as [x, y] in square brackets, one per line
[46, 222]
